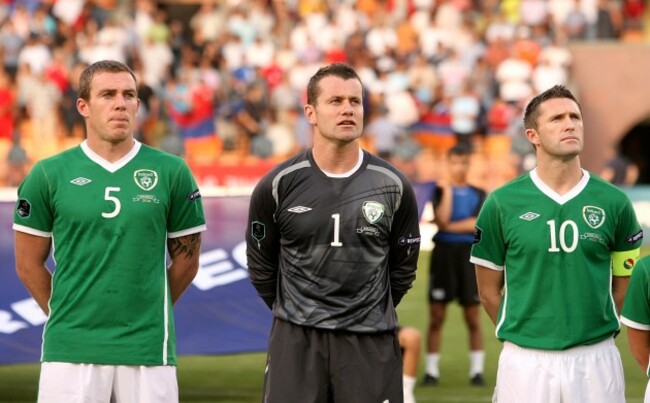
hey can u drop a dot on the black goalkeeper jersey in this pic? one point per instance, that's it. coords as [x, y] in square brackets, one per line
[333, 253]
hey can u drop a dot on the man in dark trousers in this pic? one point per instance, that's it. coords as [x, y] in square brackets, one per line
[332, 245]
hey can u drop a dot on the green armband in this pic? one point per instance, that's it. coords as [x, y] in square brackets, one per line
[624, 262]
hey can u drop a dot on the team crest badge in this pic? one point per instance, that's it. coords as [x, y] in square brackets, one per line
[373, 211]
[146, 179]
[594, 216]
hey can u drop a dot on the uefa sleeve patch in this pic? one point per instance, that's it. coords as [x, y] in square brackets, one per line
[478, 235]
[634, 238]
[195, 195]
[408, 241]
[23, 208]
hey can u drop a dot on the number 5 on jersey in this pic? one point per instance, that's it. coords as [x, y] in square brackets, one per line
[114, 200]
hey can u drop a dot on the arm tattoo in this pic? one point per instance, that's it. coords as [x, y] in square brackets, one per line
[188, 245]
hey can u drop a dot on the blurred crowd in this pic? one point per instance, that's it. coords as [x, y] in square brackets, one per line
[228, 81]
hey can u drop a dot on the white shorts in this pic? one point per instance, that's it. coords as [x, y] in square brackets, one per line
[90, 383]
[591, 374]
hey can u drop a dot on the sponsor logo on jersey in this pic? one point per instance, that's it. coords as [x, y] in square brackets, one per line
[592, 236]
[80, 181]
[23, 208]
[146, 179]
[195, 195]
[299, 209]
[373, 211]
[594, 216]
[146, 199]
[629, 263]
[258, 230]
[478, 235]
[529, 216]
[634, 238]
[368, 231]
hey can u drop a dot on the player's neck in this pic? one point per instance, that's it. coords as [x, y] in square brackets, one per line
[336, 159]
[561, 176]
[110, 152]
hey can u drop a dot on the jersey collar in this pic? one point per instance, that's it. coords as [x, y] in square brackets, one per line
[110, 166]
[559, 199]
[351, 171]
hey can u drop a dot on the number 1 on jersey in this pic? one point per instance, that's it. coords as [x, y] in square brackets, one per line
[337, 225]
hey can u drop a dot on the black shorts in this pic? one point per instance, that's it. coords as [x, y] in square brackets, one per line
[305, 364]
[451, 275]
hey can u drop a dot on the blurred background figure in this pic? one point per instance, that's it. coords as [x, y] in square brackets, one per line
[620, 170]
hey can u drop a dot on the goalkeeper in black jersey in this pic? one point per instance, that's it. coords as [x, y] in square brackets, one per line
[332, 245]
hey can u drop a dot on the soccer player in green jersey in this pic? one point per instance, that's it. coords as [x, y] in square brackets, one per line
[554, 250]
[111, 210]
[636, 316]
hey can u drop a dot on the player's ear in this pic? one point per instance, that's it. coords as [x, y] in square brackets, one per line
[310, 113]
[533, 136]
[82, 107]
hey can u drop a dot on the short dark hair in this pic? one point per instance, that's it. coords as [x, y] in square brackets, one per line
[532, 109]
[461, 150]
[340, 70]
[103, 66]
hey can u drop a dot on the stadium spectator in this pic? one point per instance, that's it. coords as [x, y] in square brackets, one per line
[384, 133]
[451, 275]
[333, 266]
[521, 251]
[465, 110]
[208, 22]
[112, 295]
[11, 44]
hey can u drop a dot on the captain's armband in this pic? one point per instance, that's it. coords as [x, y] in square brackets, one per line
[623, 262]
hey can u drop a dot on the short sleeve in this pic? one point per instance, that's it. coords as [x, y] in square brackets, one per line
[489, 240]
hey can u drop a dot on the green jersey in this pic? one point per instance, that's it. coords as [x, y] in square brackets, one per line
[109, 224]
[555, 251]
[636, 310]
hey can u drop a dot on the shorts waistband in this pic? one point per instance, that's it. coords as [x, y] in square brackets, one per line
[573, 351]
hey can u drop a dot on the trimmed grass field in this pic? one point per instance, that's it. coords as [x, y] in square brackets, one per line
[238, 378]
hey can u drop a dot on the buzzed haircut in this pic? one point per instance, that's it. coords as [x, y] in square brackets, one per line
[103, 66]
[532, 109]
[340, 70]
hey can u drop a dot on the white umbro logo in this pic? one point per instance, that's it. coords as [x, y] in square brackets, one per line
[299, 209]
[529, 216]
[80, 181]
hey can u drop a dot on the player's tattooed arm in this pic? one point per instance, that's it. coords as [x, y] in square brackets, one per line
[184, 252]
[185, 246]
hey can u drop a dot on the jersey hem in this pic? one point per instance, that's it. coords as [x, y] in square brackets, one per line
[31, 231]
[485, 263]
[188, 231]
[634, 325]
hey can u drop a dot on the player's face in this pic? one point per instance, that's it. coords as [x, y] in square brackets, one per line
[560, 130]
[338, 113]
[111, 109]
